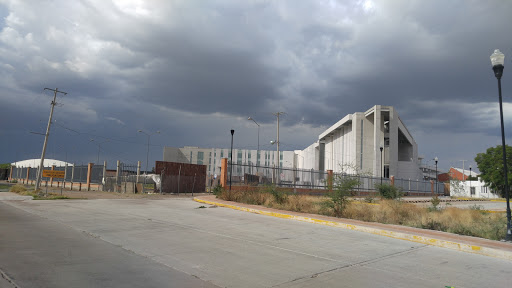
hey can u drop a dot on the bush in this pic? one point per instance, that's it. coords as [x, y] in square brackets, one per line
[18, 188]
[217, 190]
[279, 195]
[388, 191]
[338, 200]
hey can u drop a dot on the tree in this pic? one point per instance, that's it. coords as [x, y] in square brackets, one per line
[490, 165]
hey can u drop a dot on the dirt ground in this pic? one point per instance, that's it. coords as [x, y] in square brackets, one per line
[109, 195]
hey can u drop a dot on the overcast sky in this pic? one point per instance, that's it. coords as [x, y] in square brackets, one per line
[193, 70]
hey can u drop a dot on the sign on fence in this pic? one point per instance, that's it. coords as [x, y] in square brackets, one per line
[53, 173]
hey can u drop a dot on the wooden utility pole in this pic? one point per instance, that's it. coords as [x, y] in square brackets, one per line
[40, 170]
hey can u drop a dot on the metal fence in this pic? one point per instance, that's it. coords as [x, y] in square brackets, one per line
[248, 174]
[74, 173]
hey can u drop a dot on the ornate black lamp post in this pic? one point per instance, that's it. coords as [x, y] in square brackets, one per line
[231, 161]
[497, 61]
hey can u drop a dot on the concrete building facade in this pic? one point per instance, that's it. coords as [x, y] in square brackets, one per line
[211, 157]
[352, 145]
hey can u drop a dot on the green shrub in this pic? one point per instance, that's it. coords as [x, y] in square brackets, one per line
[280, 196]
[388, 191]
[338, 200]
[217, 190]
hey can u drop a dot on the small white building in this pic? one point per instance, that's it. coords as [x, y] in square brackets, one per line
[471, 189]
[34, 163]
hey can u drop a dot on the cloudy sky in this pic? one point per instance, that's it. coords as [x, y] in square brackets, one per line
[194, 69]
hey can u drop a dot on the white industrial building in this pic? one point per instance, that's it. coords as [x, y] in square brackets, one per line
[212, 157]
[354, 144]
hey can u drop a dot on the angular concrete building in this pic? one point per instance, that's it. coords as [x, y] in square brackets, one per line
[354, 144]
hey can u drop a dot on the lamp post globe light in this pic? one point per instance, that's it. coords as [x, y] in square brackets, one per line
[497, 61]
[231, 161]
[435, 160]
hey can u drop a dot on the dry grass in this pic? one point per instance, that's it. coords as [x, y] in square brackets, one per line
[471, 222]
[18, 189]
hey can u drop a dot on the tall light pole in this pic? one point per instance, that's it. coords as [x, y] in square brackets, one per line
[437, 190]
[277, 114]
[381, 148]
[99, 148]
[231, 161]
[258, 151]
[470, 179]
[147, 155]
[497, 61]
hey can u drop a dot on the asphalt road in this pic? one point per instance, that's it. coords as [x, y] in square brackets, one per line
[217, 245]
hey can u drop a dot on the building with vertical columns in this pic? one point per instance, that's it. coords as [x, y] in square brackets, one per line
[211, 157]
[353, 145]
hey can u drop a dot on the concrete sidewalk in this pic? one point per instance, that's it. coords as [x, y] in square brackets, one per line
[430, 237]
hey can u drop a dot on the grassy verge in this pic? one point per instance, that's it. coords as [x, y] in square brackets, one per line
[3, 186]
[36, 195]
[470, 222]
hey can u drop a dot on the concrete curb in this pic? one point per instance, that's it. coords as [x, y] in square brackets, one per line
[463, 247]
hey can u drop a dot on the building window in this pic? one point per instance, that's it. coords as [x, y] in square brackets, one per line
[200, 157]
[473, 190]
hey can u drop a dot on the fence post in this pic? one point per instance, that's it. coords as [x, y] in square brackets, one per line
[223, 172]
[329, 180]
[392, 180]
[65, 174]
[432, 187]
[72, 175]
[89, 174]
[138, 173]
[104, 175]
[51, 178]
[117, 176]
[28, 173]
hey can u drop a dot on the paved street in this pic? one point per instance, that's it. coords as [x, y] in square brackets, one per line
[221, 246]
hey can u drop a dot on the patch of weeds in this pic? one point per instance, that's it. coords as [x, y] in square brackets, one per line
[369, 199]
[18, 188]
[3, 186]
[279, 195]
[200, 207]
[388, 191]
[476, 207]
[435, 204]
[217, 190]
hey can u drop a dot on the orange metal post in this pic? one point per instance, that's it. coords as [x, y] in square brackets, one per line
[224, 172]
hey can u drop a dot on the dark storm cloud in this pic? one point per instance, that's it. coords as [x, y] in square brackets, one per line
[202, 66]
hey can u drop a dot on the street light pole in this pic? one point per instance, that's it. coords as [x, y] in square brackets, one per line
[381, 148]
[497, 61]
[470, 179]
[258, 151]
[278, 156]
[147, 155]
[437, 190]
[99, 148]
[231, 161]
